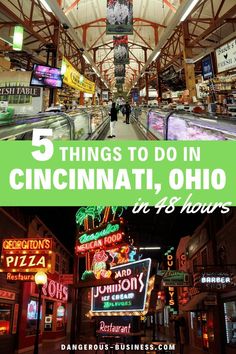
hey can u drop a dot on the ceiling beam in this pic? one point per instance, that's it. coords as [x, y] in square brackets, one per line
[75, 3]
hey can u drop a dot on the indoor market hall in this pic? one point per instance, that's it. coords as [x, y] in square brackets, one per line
[81, 68]
[114, 287]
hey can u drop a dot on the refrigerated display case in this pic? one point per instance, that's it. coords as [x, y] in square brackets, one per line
[21, 127]
[99, 119]
[156, 123]
[82, 124]
[182, 126]
[179, 125]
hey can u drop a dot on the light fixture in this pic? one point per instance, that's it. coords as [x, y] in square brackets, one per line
[189, 9]
[156, 55]
[86, 59]
[18, 38]
[46, 6]
[40, 278]
[63, 67]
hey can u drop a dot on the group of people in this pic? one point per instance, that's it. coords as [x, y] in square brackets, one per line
[125, 110]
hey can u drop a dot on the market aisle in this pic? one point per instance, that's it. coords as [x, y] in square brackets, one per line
[124, 131]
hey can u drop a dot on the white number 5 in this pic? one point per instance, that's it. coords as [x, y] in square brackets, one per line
[48, 145]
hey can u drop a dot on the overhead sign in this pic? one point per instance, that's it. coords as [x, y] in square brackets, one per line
[73, 78]
[129, 293]
[174, 278]
[214, 280]
[226, 56]
[119, 17]
[26, 255]
[120, 70]
[103, 236]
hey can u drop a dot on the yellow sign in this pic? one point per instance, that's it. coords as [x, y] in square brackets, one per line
[74, 79]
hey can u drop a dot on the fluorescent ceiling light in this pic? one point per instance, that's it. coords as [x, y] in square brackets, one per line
[46, 6]
[5, 40]
[86, 59]
[157, 55]
[189, 9]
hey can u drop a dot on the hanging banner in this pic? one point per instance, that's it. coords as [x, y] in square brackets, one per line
[73, 78]
[121, 50]
[119, 70]
[120, 80]
[119, 17]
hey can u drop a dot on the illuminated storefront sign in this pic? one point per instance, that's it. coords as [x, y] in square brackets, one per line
[20, 276]
[214, 280]
[111, 327]
[129, 291]
[104, 236]
[5, 294]
[26, 255]
[174, 278]
[55, 290]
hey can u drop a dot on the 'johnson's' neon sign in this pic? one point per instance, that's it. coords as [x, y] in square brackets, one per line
[128, 293]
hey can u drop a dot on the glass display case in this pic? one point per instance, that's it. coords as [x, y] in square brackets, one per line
[187, 127]
[99, 118]
[81, 124]
[176, 125]
[156, 123]
[21, 127]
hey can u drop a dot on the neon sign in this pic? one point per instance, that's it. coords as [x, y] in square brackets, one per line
[109, 229]
[112, 328]
[214, 280]
[39, 244]
[55, 290]
[104, 236]
[26, 255]
[128, 293]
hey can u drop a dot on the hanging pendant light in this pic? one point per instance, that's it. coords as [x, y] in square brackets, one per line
[18, 38]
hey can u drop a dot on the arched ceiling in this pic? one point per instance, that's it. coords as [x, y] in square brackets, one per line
[80, 27]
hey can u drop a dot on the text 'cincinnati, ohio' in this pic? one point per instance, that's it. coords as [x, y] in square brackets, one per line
[79, 179]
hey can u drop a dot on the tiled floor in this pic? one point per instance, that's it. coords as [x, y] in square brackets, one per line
[124, 131]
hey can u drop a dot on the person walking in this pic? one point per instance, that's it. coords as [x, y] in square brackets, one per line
[127, 112]
[113, 120]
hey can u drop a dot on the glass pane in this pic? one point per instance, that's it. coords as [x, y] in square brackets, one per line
[230, 321]
[5, 319]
